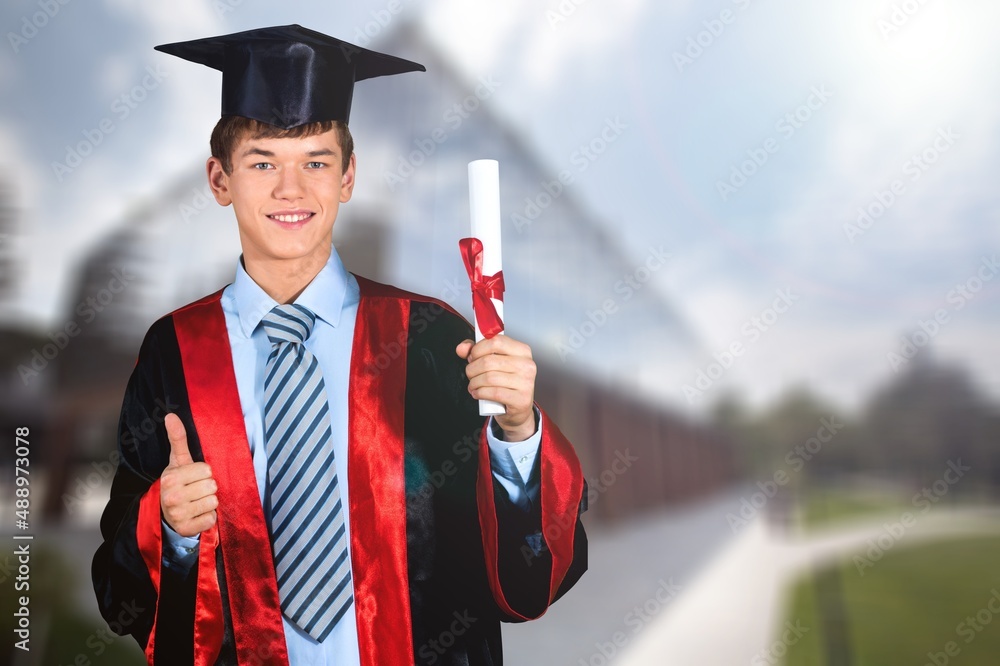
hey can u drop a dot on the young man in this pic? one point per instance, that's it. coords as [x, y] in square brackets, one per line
[322, 489]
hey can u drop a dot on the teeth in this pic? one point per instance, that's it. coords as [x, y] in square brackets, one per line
[291, 218]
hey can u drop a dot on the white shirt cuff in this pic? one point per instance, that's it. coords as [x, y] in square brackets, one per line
[514, 460]
[512, 463]
[181, 550]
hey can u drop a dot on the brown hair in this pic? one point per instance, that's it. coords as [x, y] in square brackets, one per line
[230, 130]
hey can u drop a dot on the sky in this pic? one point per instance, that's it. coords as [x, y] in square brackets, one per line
[822, 174]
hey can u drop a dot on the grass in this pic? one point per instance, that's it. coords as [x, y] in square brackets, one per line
[824, 508]
[912, 602]
[60, 633]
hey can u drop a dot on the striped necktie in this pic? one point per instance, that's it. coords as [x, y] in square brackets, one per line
[308, 535]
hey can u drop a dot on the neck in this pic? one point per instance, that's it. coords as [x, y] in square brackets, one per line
[284, 279]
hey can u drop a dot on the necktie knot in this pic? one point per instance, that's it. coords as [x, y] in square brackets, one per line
[288, 323]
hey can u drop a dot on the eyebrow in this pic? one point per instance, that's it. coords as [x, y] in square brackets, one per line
[268, 153]
[257, 151]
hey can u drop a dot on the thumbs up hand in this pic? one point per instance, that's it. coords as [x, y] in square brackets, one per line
[187, 489]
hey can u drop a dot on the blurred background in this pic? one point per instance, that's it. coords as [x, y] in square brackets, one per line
[752, 243]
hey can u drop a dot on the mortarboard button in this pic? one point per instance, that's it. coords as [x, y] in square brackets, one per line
[288, 75]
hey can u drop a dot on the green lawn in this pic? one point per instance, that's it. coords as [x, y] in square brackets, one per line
[61, 634]
[823, 508]
[912, 602]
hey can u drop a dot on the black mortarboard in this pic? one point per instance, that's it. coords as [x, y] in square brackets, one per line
[288, 75]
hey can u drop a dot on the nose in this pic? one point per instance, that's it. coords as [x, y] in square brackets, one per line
[289, 184]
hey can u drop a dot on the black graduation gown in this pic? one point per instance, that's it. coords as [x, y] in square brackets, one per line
[440, 555]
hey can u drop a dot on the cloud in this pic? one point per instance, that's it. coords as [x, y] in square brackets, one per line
[537, 42]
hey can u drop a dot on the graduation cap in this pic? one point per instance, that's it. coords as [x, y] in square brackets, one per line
[288, 75]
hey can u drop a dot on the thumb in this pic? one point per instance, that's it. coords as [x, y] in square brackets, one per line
[179, 454]
[463, 348]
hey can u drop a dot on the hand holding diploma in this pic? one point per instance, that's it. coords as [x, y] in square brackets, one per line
[501, 369]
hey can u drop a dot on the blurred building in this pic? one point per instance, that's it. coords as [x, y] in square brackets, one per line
[402, 227]
[21, 398]
[8, 231]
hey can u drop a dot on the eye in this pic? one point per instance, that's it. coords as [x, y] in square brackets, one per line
[262, 166]
[316, 165]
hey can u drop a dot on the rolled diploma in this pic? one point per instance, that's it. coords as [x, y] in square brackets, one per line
[484, 204]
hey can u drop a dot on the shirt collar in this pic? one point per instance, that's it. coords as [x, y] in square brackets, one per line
[324, 295]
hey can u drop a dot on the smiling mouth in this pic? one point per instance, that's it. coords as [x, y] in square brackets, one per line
[291, 218]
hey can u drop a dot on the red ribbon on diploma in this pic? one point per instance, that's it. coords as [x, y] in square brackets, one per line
[484, 287]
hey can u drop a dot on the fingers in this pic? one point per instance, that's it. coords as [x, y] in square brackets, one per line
[517, 401]
[521, 377]
[188, 498]
[501, 352]
[194, 526]
[510, 371]
[190, 473]
[178, 515]
[179, 453]
[497, 345]
[186, 484]
[199, 490]
[194, 510]
[501, 369]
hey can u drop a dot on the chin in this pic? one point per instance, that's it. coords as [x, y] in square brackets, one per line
[288, 246]
[292, 253]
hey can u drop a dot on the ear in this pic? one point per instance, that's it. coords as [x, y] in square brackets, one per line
[347, 181]
[218, 180]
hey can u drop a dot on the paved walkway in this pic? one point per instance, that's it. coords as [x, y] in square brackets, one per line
[626, 563]
[733, 611]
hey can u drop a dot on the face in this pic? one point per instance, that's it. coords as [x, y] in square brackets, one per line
[286, 194]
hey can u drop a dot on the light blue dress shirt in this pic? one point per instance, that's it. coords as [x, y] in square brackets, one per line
[333, 296]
